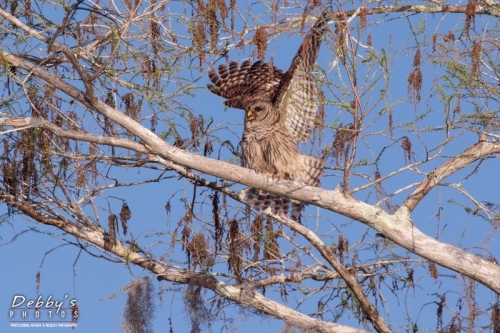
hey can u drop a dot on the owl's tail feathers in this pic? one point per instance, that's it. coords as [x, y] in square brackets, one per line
[297, 208]
[262, 200]
[314, 169]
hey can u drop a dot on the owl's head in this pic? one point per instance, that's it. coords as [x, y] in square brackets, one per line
[259, 111]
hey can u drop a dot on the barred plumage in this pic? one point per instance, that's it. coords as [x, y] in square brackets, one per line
[280, 111]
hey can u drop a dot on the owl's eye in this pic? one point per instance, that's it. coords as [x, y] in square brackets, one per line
[258, 109]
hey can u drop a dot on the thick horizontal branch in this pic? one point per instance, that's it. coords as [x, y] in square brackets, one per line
[438, 7]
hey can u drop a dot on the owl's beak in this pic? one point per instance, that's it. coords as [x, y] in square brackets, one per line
[250, 116]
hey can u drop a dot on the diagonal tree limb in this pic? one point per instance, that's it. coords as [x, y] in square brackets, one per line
[97, 236]
[474, 153]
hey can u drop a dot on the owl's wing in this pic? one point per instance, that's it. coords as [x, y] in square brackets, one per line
[297, 94]
[240, 85]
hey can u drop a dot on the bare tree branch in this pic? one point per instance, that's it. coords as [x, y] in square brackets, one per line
[389, 225]
[239, 294]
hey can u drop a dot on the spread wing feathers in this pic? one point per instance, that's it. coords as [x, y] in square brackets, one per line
[240, 85]
[314, 168]
[297, 94]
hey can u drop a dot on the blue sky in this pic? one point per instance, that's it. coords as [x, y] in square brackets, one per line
[97, 283]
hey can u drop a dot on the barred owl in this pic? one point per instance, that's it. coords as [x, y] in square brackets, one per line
[280, 110]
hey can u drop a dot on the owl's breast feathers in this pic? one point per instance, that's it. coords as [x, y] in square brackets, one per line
[270, 150]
